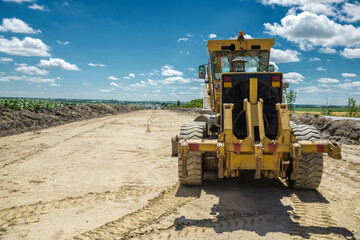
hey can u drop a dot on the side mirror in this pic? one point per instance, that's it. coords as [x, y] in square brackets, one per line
[202, 72]
[285, 85]
[271, 68]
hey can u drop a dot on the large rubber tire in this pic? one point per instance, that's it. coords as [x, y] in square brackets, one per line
[174, 146]
[194, 169]
[310, 164]
[194, 130]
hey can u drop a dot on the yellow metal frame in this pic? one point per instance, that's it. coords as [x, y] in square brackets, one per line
[258, 153]
[264, 155]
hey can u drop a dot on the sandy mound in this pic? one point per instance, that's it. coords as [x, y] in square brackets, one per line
[194, 111]
[343, 131]
[14, 122]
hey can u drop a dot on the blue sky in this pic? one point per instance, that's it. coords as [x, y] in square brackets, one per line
[150, 50]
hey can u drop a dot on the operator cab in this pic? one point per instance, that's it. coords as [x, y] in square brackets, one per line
[238, 65]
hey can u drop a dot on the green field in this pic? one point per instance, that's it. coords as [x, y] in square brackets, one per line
[20, 104]
[318, 109]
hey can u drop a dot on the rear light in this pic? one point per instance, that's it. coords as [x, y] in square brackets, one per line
[227, 78]
[276, 78]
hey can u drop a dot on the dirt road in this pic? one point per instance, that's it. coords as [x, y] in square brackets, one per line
[113, 178]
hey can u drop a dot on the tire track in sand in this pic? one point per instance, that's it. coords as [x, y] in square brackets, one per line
[43, 147]
[163, 205]
[18, 215]
[311, 217]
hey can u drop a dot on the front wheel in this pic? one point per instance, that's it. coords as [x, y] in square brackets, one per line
[194, 169]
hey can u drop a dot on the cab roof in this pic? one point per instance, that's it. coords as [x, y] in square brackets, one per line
[247, 44]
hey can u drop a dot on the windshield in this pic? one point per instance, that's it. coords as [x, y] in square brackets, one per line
[258, 61]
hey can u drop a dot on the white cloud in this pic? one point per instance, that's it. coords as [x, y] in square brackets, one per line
[156, 91]
[351, 53]
[328, 80]
[27, 78]
[126, 77]
[113, 78]
[182, 39]
[349, 85]
[96, 65]
[139, 85]
[197, 79]
[352, 11]
[114, 84]
[321, 69]
[347, 80]
[327, 50]
[315, 90]
[184, 52]
[16, 26]
[131, 75]
[63, 43]
[26, 47]
[321, 32]
[212, 35]
[319, 8]
[85, 84]
[38, 7]
[107, 90]
[31, 70]
[58, 63]
[327, 85]
[193, 88]
[6, 59]
[142, 74]
[311, 89]
[173, 80]
[18, 1]
[284, 56]
[184, 93]
[169, 70]
[39, 80]
[293, 77]
[314, 59]
[9, 78]
[54, 85]
[248, 36]
[152, 82]
[289, 3]
[191, 69]
[347, 75]
[189, 35]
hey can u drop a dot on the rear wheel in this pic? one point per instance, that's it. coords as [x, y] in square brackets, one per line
[310, 164]
[194, 130]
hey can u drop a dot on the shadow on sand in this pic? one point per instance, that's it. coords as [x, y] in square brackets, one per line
[262, 206]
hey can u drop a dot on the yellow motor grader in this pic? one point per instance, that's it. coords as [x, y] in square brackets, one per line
[247, 125]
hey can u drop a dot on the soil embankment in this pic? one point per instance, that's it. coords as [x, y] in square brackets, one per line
[15, 122]
[342, 131]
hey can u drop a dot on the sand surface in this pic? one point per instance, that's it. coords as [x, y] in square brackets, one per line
[113, 178]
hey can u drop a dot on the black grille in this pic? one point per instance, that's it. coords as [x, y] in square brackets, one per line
[240, 90]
